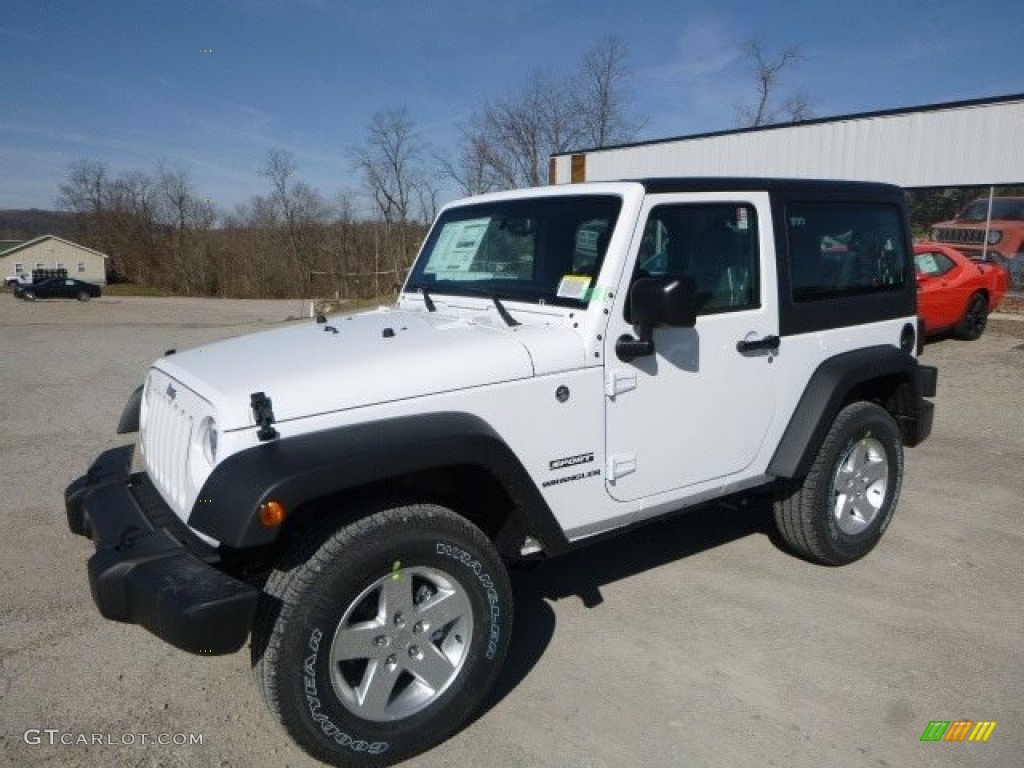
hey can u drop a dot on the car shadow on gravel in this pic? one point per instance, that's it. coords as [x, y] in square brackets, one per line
[582, 573]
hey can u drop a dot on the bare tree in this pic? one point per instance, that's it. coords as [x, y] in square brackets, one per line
[767, 71]
[472, 172]
[83, 192]
[303, 213]
[427, 198]
[161, 235]
[602, 98]
[507, 142]
[278, 169]
[186, 220]
[114, 215]
[389, 160]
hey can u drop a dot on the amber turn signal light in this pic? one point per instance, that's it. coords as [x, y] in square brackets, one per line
[271, 514]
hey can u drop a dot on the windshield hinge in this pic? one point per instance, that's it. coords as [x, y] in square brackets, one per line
[620, 465]
[617, 382]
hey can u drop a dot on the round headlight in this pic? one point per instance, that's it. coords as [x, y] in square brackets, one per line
[208, 440]
[994, 236]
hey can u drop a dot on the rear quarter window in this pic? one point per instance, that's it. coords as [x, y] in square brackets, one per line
[933, 263]
[844, 249]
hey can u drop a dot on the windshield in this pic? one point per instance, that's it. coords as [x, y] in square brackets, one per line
[545, 250]
[1004, 209]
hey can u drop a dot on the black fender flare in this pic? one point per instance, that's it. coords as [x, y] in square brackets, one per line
[827, 391]
[130, 416]
[295, 470]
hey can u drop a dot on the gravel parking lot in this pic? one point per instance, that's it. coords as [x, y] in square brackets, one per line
[690, 642]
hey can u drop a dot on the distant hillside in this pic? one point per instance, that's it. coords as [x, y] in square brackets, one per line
[26, 224]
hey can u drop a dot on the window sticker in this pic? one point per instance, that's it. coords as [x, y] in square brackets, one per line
[573, 287]
[742, 220]
[457, 246]
[926, 263]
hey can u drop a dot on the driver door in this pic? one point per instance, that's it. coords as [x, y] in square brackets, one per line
[696, 412]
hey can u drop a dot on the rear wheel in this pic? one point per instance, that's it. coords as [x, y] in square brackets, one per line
[975, 318]
[377, 641]
[28, 295]
[83, 296]
[839, 512]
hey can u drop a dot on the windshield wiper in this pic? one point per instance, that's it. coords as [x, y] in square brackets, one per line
[509, 320]
[429, 302]
[492, 295]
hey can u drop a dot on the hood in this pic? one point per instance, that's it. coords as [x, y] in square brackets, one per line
[361, 360]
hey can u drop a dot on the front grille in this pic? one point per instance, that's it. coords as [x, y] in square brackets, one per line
[166, 440]
[171, 412]
[970, 236]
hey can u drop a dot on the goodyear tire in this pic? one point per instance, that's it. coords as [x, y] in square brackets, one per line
[839, 512]
[377, 641]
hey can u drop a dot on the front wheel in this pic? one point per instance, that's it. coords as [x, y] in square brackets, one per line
[28, 295]
[380, 640]
[83, 296]
[839, 512]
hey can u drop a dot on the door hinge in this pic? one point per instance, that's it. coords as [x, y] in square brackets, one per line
[617, 382]
[620, 465]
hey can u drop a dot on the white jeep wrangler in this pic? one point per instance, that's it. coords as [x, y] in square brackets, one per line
[561, 363]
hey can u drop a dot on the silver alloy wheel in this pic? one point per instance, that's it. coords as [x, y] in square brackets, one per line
[859, 485]
[401, 643]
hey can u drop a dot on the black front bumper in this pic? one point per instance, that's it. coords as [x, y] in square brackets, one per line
[149, 568]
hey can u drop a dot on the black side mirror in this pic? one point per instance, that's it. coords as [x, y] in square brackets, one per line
[656, 301]
[662, 301]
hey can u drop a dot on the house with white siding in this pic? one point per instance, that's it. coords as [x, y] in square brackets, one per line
[52, 252]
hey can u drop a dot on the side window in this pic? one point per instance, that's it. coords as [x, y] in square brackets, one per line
[844, 249]
[933, 264]
[714, 245]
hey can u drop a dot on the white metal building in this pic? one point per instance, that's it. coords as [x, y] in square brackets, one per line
[52, 252]
[957, 144]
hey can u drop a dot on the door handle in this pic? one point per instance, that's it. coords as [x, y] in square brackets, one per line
[765, 342]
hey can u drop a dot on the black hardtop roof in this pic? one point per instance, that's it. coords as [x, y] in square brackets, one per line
[817, 188]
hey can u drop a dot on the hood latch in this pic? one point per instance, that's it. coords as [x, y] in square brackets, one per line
[263, 412]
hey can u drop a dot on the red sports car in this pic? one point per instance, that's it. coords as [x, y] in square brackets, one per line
[954, 292]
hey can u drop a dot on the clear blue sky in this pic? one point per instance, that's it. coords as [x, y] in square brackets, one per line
[211, 86]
